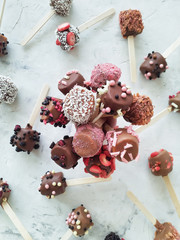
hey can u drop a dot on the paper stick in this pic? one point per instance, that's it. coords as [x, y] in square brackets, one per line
[67, 235]
[16, 221]
[36, 29]
[96, 19]
[132, 59]
[37, 106]
[88, 180]
[141, 207]
[154, 119]
[170, 49]
[2, 11]
[172, 194]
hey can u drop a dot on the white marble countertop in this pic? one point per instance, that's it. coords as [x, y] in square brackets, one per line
[41, 61]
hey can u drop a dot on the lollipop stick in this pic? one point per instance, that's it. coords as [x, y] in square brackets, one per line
[98, 117]
[96, 19]
[141, 207]
[16, 221]
[67, 235]
[36, 29]
[154, 119]
[132, 58]
[37, 106]
[170, 49]
[172, 194]
[89, 180]
[2, 11]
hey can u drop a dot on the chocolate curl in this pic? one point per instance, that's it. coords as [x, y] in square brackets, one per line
[7, 208]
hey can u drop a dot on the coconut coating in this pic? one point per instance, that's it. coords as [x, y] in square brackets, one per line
[8, 90]
[140, 111]
[62, 7]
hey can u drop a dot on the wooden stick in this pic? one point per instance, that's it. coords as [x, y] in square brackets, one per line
[2, 11]
[132, 59]
[96, 19]
[172, 194]
[16, 221]
[154, 119]
[141, 207]
[36, 29]
[67, 235]
[170, 49]
[37, 106]
[98, 117]
[88, 180]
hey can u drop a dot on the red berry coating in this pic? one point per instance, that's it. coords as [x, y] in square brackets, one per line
[71, 38]
[63, 27]
[58, 42]
[154, 154]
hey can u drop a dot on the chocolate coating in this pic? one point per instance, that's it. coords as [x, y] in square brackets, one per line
[130, 23]
[3, 45]
[52, 184]
[161, 163]
[174, 101]
[71, 79]
[25, 139]
[102, 165]
[62, 7]
[166, 231]
[79, 221]
[140, 111]
[113, 236]
[4, 191]
[124, 144]
[52, 112]
[153, 65]
[63, 153]
[8, 90]
[116, 97]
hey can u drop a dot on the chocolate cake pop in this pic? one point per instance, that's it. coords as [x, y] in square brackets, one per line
[52, 112]
[79, 105]
[115, 97]
[123, 144]
[71, 79]
[61, 7]
[3, 45]
[113, 236]
[101, 165]
[52, 184]
[174, 101]
[4, 191]
[25, 139]
[130, 23]
[88, 140]
[63, 153]
[161, 163]
[8, 90]
[166, 231]
[153, 65]
[140, 111]
[102, 73]
[67, 36]
[79, 221]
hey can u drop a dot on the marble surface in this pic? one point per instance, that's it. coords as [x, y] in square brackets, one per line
[41, 61]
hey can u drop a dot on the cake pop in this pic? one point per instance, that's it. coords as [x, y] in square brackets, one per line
[166, 231]
[140, 111]
[113, 236]
[4, 191]
[123, 144]
[174, 101]
[63, 153]
[61, 7]
[79, 105]
[3, 45]
[88, 140]
[52, 112]
[79, 221]
[25, 139]
[71, 79]
[8, 90]
[153, 65]
[103, 72]
[101, 165]
[161, 163]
